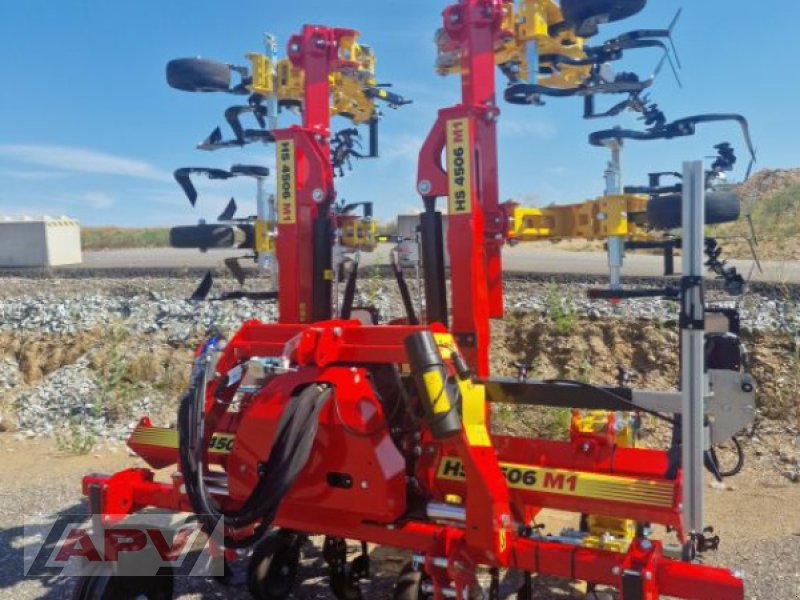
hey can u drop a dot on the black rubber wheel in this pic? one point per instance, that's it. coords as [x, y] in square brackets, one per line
[198, 75]
[666, 212]
[586, 15]
[272, 572]
[204, 237]
[526, 591]
[409, 584]
[577, 11]
[251, 170]
[346, 592]
[100, 583]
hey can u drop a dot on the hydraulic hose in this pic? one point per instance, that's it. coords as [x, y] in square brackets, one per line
[290, 451]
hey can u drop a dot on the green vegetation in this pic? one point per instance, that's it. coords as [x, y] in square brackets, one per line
[114, 238]
[560, 309]
[76, 439]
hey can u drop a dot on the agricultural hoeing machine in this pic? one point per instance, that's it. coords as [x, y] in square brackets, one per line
[323, 424]
[275, 88]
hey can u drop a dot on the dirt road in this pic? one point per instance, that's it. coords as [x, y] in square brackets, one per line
[525, 258]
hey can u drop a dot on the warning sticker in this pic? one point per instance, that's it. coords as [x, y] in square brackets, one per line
[220, 443]
[459, 167]
[287, 210]
[573, 483]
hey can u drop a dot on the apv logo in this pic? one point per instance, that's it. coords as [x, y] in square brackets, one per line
[142, 545]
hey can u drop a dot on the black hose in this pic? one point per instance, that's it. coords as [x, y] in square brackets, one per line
[290, 451]
[737, 468]
[350, 292]
[405, 295]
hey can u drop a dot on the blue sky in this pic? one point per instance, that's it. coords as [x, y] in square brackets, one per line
[89, 128]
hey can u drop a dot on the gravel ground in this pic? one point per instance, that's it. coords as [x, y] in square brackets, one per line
[36, 477]
[153, 304]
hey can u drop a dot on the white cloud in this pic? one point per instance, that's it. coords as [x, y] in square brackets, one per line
[33, 175]
[82, 160]
[540, 130]
[96, 200]
[58, 204]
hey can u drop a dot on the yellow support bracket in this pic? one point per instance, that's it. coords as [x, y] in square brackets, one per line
[591, 220]
[527, 22]
[360, 234]
[263, 80]
[348, 87]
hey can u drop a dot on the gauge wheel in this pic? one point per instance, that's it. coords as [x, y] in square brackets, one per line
[250, 170]
[666, 212]
[101, 583]
[205, 237]
[577, 11]
[410, 583]
[273, 568]
[198, 75]
[585, 15]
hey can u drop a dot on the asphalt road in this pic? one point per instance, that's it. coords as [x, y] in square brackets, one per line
[522, 259]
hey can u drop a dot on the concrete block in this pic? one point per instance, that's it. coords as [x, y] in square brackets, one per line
[39, 241]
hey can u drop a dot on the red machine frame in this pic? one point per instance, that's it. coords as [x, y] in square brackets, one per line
[306, 191]
[476, 221]
[339, 354]
[494, 510]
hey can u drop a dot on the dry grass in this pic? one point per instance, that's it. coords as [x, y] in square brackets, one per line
[111, 238]
[776, 219]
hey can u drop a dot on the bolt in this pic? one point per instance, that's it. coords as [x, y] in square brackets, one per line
[317, 195]
[615, 571]
[648, 575]
[585, 447]
[424, 187]
[364, 485]
[337, 331]
[294, 47]
[646, 544]
[242, 468]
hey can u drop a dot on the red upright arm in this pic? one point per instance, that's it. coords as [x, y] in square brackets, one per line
[470, 180]
[305, 182]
